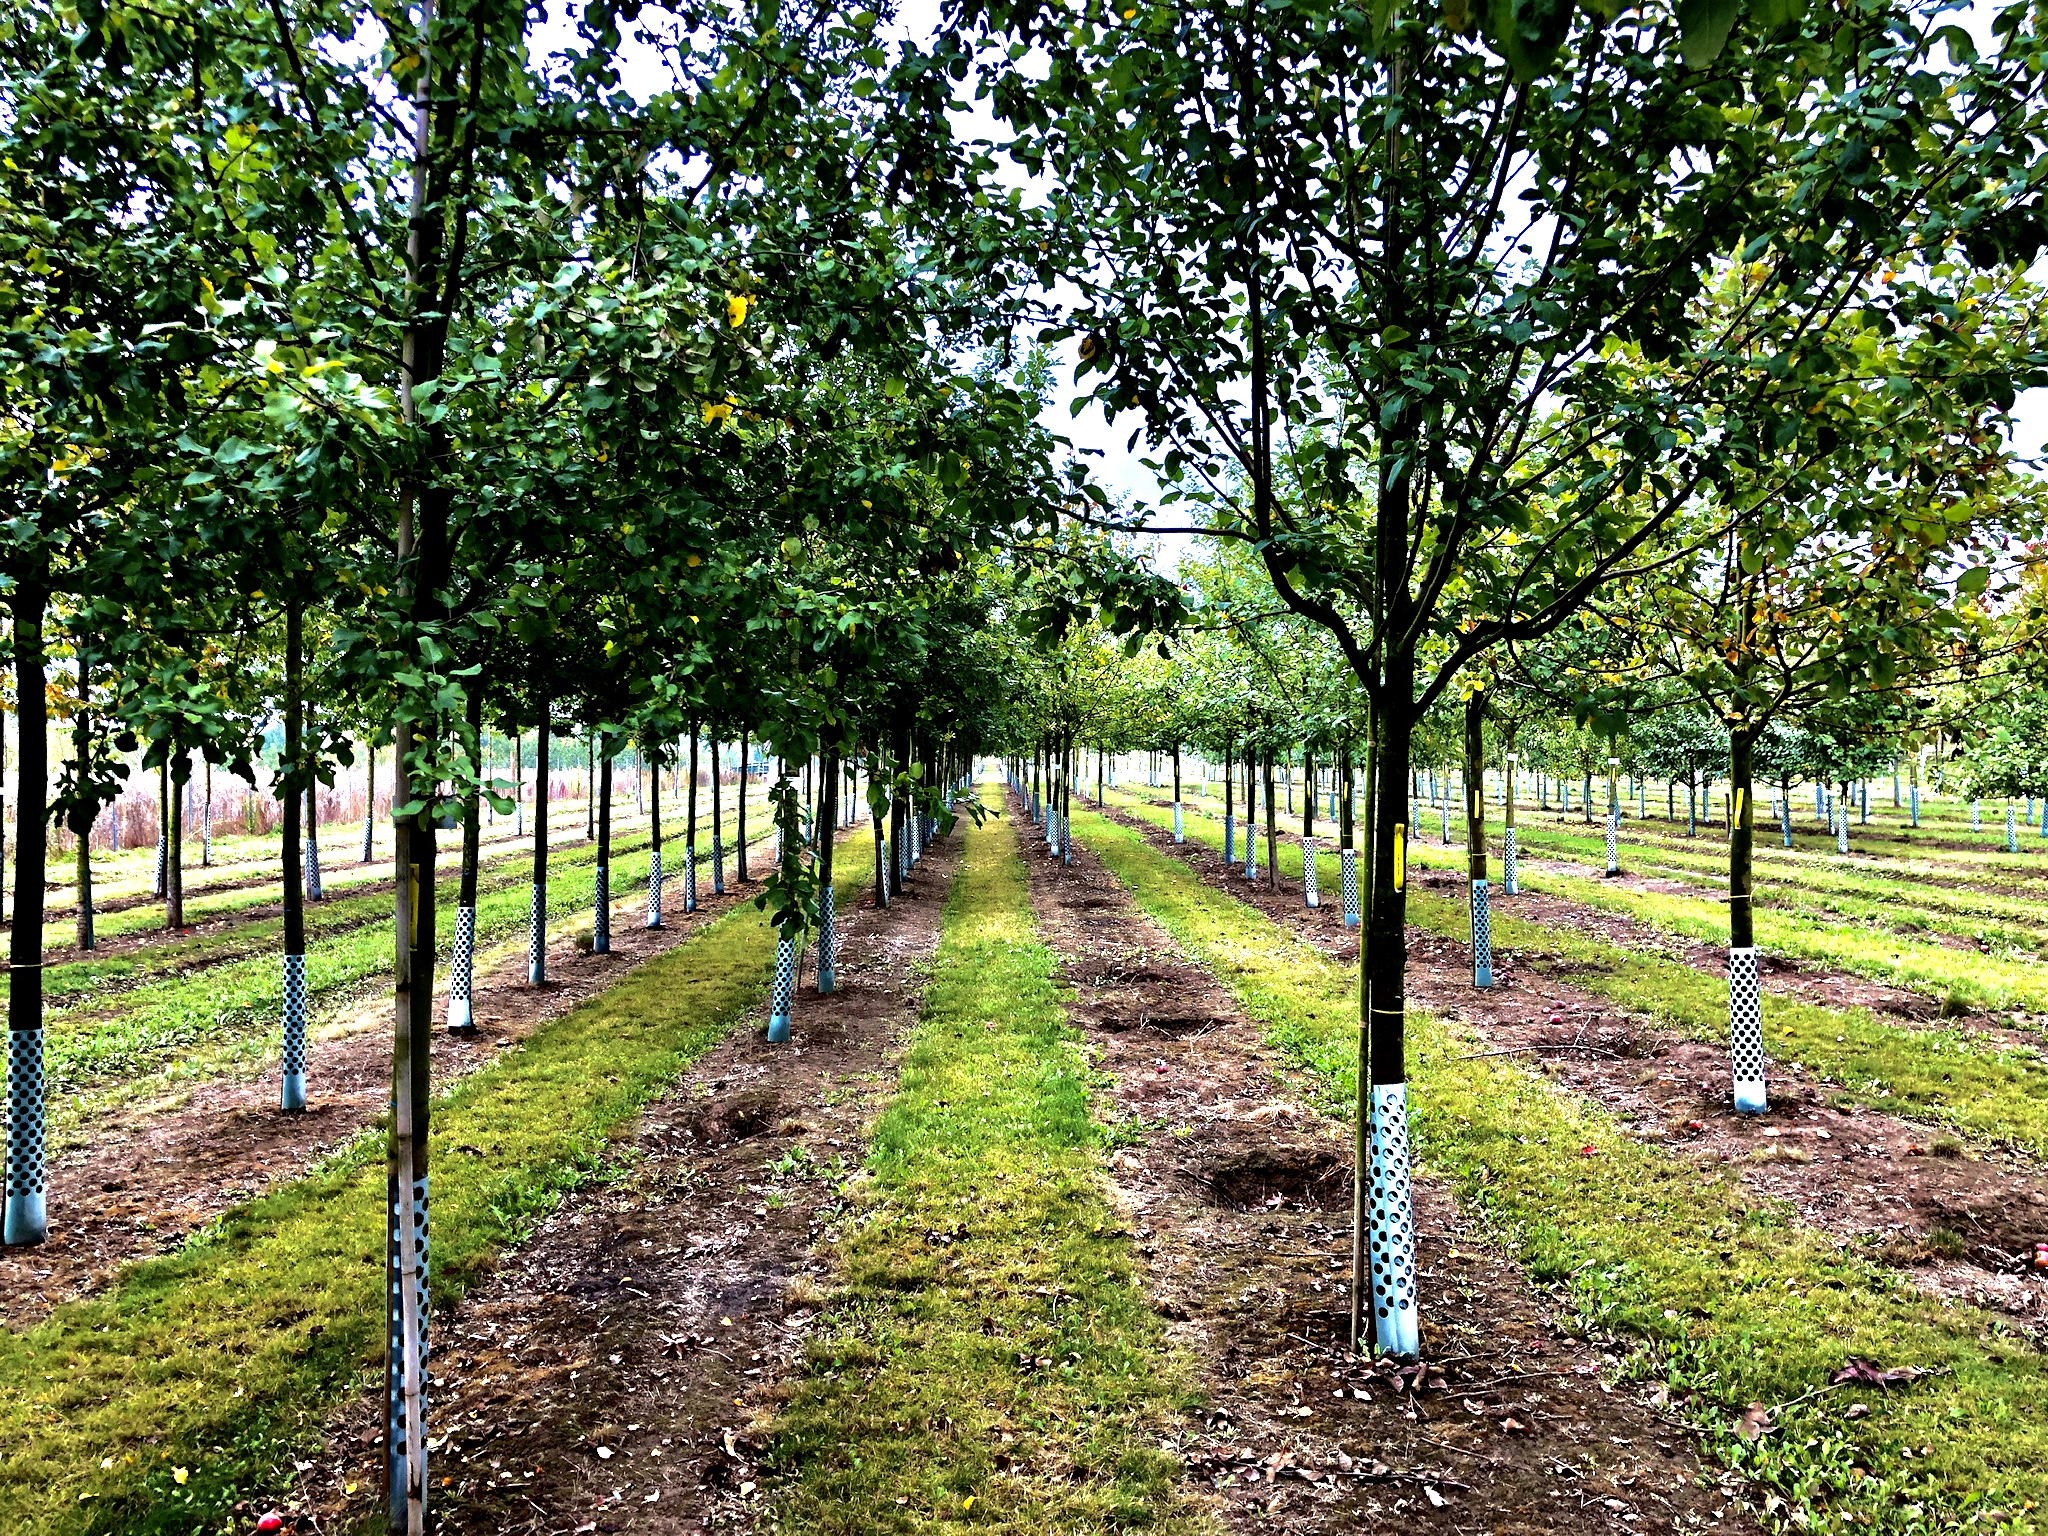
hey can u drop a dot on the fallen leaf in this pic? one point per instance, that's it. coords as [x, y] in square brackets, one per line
[1863, 1373]
[1756, 1418]
[1436, 1500]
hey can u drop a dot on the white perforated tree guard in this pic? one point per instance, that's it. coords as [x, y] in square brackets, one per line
[27, 1217]
[1508, 874]
[1309, 894]
[291, 1092]
[461, 962]
[537, 937]
[783, 999]
[1746, 1032]
[1395, 1320]
[1347, 874]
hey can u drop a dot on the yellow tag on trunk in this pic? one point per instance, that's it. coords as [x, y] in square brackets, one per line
[1400, 855]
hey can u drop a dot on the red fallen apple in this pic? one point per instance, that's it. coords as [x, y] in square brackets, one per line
[271, 1522]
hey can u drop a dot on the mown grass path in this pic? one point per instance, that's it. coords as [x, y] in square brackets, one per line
[992, 1364]
[1715, 1294]
[158, 1403]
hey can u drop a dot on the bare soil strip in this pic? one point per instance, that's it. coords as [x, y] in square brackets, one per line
[1240, 1199]
[1957, 1221]
[619, 1370]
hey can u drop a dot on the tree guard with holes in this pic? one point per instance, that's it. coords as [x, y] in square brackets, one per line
[1309, 894]
[461, 962]
[785, 988]
[1395, 1318]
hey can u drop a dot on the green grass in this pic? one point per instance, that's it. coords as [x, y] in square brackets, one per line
[223, 1359]
[1980, 981]
[1714, 1293]
[164, 1022]
[989, 1305]
[1945, 1076]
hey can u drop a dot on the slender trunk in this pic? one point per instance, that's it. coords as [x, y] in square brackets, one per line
[163, 838]
[1385, 963]
[537, 913]
[1477, 893]
[462, 959]
[589, 786]
[1272, 826]
[206, 822]
[717, 822]
[292, 1081]
[369, 799]
[1308, 793]
[601, 914]
[899, 809]
[881, 852]
[27, 1217]
[1229, 805]
[826, 824]
[1745, 1001]
[174, 863]
[652, 790]
[82, 820]
[690, 830]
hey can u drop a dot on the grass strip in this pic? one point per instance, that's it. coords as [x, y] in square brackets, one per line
[1944, 1076]
[1717, 1294]
[157, 1023]
[193, 1382]
[1842, 931]
[989, 1305]
[1830, 885]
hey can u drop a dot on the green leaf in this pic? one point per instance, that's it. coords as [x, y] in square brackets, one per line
[1773, 14]
[1974, 580]
[1703, 28]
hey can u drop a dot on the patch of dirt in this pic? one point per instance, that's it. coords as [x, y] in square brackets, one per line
[144, 1177]
[1855, 1171]
[618, 1371]
[1508, 1427]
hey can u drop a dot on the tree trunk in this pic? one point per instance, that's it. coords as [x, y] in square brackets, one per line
[652, 789]
[462, 958]
[826, 824]
[1272, 824]
[881, 850]
[369, 799]
[292, 1081]
[1229, 806]
[537, 912]
[717, 822]
[82, 819]
[690, 830]
[601, 904]
[1477, 894]
[1385, 962]
[27, 1216]
[174, 861]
